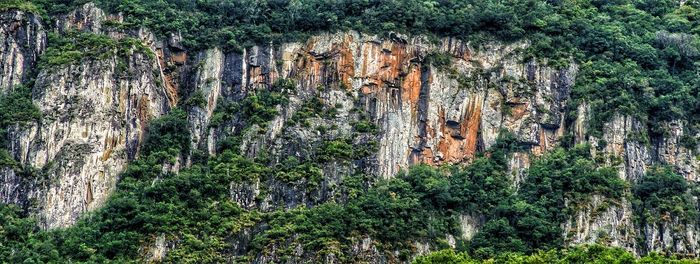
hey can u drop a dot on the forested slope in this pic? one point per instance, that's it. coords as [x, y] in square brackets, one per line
[349, 131]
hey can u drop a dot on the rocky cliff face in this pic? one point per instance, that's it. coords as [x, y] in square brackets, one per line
[94, 118]
[624, 144]
[417, 111]
[425, 114]
[22, 40]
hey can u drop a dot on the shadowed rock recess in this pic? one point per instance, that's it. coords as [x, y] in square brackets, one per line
[390, 102]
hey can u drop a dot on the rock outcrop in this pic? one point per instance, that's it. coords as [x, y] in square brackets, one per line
[95, 117]
[604, 221]
[626, 145]
[22, 40]
[425, 114]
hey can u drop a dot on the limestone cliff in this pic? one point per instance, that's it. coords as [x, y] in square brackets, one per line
[22, 40]
[95, 118]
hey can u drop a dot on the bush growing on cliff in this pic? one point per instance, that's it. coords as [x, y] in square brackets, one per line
[257, 108]
[260, 109]
[169, 133]
[663, 194]
[365, 126]
[16, 108]
[19, 5]
[338, 149]
[196, 100]
[531, 218]
[74, 46]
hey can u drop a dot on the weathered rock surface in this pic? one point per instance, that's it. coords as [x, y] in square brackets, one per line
[22, 40]
[671, 234]
[425, 114]
[604, 221]
[95, 118]
[625, 145]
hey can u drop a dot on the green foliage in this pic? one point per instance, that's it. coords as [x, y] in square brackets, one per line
[447, 256]
[15, 231]
[240, 23]
[225, 111]
[338, 149]
[344, 149]
[399, 210]
[168, 135]
[257, 108]
[284, 85]
[22, 5]
[578, 254]
[439, 60]
[391, 212]
[291, 170]
[261, 108]
[572, 172]
[16, 108]
[6, 160]
[311, 108]
[480, 187]
[233, 167]
[365, 126]
[531, 219]
[196, 100]
[648, 74]
[72, 47]
[662, 194]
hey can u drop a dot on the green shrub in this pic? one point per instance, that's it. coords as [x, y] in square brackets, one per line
[169, 133]
[291, 170]
[439, 60]
[338, 149]
[19, 5]
[196, 100]
[16, 108]
[365, 126]
[74, 46]
[661, 192]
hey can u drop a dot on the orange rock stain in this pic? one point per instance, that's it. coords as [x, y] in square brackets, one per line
[410, 87]
[170, 87]
[459, 143]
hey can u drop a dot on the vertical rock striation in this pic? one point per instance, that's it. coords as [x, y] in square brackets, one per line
[94, 119]
[22, 40]
[96, 114]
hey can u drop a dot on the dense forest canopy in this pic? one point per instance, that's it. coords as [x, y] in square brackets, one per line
[635, 57]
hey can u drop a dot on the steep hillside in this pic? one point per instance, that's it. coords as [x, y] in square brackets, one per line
[192, 131]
